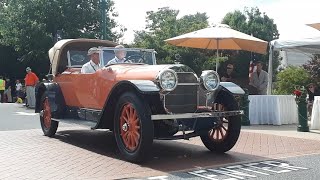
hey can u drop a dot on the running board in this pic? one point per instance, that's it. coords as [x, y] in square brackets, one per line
[86, 123]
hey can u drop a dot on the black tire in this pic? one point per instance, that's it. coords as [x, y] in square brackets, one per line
[49, 127]
[231, 130]
[138, 149]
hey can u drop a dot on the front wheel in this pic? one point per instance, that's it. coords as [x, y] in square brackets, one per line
[224, 135]
[133, 127]
[49, 127]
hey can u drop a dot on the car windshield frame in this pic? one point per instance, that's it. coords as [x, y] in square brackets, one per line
[101, 53]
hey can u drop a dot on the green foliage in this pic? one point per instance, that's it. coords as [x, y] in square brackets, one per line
[164, 24]
[290, 77]
[313, 67]
[255, 23]
[30, 26]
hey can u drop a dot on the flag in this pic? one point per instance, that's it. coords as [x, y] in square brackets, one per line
[252, 66]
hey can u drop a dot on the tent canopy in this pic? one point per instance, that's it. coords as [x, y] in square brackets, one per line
[304, 45]
[309, 45]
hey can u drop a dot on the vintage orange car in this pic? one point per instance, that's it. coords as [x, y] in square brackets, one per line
[138, 101]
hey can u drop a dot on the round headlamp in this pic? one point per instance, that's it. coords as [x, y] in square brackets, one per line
[210, 80]
[168, 80]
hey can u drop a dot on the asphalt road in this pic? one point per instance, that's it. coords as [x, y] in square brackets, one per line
[17, 117]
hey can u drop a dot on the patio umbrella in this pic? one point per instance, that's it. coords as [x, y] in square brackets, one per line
[220, 37]
[315, 25]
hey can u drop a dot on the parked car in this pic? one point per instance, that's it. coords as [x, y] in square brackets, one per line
[138, 101]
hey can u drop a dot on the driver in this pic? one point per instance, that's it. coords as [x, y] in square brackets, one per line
[120, 54]
[94, 64]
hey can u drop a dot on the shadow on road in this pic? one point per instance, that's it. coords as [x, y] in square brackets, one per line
[167, 156]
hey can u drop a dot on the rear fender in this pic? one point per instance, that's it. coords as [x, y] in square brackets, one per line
[55, 97]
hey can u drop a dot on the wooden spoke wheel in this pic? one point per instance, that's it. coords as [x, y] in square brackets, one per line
[219, 132]
[224, 135]
[49, 127]
[130, 127]
[46, 113]
[133, 127]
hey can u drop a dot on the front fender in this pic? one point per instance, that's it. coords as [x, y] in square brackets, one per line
[145, 86]
[232, 88]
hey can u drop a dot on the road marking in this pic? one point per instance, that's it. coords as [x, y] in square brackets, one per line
[239, 171]
[25, 114]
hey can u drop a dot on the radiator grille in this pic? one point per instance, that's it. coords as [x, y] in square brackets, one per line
[184, 98]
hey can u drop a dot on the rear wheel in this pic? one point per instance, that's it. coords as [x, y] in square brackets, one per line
[49, 127]
[133, 127]
[224, 135]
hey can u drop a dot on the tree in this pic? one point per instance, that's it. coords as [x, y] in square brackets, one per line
[164, 24]
[257, 24]
[30, 26]
[289, 78]
[313, 67]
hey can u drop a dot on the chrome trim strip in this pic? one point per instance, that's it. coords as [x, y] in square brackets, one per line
[196, 115]
[189, 84]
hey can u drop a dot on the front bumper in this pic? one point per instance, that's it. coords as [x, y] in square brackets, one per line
[196, 115]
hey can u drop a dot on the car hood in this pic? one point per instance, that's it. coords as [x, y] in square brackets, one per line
[143, 72]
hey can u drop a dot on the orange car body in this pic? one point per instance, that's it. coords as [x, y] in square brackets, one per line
[138, 100]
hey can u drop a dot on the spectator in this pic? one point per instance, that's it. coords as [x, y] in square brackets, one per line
[259, 79]
[2, 88]
[18, 89]
[31, 81]
[312, 91]
[229, 75]
[8, 92]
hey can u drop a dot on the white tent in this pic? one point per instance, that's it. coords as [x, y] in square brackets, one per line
[304, 45]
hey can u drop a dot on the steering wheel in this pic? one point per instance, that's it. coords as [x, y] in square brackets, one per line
[135, 58]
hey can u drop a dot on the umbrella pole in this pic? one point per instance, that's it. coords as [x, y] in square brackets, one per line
[217, 61]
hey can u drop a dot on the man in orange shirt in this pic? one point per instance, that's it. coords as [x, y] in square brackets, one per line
[31, 81]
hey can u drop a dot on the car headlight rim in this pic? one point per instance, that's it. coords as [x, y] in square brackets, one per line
[204, 78]
[161, 77]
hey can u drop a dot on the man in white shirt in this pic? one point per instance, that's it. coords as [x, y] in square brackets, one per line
[259, 79]
[94, 64]
[120, 54]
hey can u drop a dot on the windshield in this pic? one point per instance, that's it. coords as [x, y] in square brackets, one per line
[128, 55]
[77, 58]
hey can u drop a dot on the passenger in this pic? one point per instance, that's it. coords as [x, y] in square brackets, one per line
[120, 54]
[94, 64]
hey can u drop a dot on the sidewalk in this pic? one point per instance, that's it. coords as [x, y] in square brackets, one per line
[283, 130]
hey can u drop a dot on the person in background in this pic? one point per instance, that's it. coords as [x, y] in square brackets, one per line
[7, 92]
[312, 91]
[2, 88]
[18, 89]
[259, 79]
[31, 81]
[228, 76]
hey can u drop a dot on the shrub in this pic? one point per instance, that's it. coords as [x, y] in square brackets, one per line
[290, 77]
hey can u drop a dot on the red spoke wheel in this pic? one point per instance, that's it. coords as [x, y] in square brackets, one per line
[49, 127]
[220, 131]
[133, 127]
[224, 135]
[46, 113]
[130, 127]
